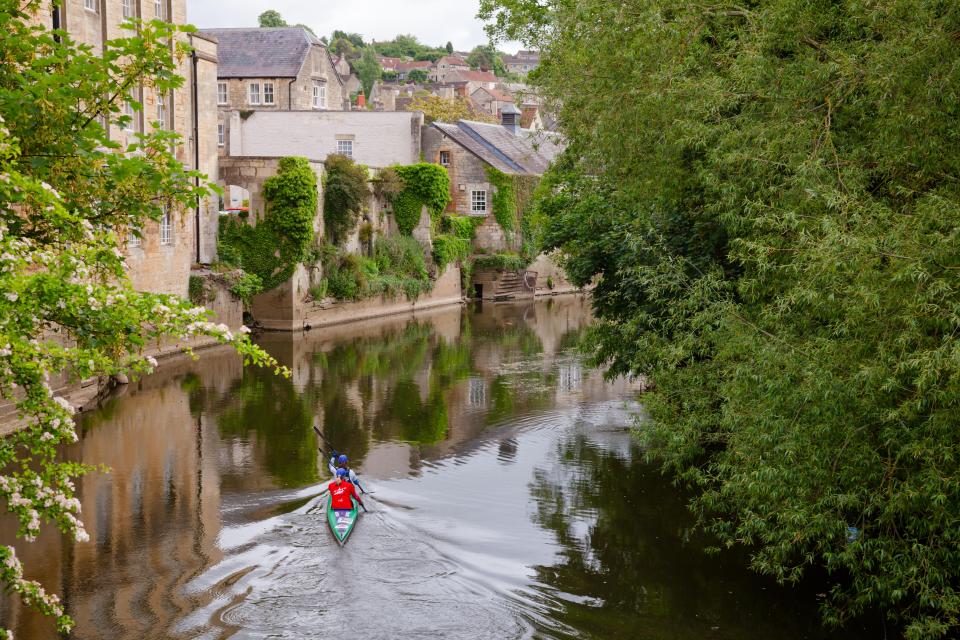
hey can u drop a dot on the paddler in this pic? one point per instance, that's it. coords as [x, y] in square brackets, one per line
[341, 490]
[341, 461]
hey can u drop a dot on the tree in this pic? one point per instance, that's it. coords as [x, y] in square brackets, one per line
[69, 197]
[418, 76]
[272, 18]
[346, 190]
[449, 47]
[775, 248]
[353, 38]
[368, 70]
[437, 109]
[343, 47]
[487, 57]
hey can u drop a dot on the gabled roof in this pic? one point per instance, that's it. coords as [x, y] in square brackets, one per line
[416, 64]
[273, 52]
[455, 61]
[496, 94]
[526, 153]
[471, 76]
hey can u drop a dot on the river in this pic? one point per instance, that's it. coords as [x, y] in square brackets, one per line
[509, 499]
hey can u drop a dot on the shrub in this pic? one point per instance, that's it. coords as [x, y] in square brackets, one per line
[196, 291]
[319, 290]
[501, 261]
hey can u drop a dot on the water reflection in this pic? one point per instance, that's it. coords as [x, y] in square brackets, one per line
[501, 509]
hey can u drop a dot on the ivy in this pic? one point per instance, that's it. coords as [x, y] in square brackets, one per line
[424, 184]
[346, 191]
[501, 262]
[448, 249]
[511, 196]
[461, 226]
[397, 266]
[272, 249]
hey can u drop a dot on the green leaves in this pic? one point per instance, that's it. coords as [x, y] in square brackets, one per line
[767, 200]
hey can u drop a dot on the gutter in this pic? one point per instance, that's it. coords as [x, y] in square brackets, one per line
[196, 146]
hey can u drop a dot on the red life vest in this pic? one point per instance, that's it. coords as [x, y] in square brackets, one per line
[340, 494]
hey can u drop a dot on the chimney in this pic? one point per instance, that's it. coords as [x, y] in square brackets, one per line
[510, 118]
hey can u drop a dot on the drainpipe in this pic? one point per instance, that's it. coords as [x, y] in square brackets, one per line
[196, 147]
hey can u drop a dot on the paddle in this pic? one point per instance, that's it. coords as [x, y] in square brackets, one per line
[334, 449]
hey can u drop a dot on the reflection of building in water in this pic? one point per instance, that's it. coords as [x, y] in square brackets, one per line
[477, 398]
[153, 519]
[570, 377]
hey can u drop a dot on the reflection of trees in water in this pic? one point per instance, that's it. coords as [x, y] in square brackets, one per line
[621, 528]
[270, 409]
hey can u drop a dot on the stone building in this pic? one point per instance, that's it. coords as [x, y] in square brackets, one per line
[447, 65]
[160, 262]
[274, 69]
[468, 149]
[491, 101]
[522, 63]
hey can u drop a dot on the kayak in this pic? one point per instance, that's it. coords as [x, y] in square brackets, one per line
[342, 521]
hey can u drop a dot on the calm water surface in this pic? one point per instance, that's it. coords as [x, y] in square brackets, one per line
[509, 499]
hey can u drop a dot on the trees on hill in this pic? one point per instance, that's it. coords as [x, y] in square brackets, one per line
[771, 218]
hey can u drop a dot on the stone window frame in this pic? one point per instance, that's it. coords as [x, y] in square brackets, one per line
[250, 93]
[129, 111]
[447, 153]
[91, 5]
[319, 95]
[221, 135]
[264, 93]
[161, 111]
[223, 93]
[166, 229]
[345, 147]
[475, 201]
[160, 9]
[127, 10]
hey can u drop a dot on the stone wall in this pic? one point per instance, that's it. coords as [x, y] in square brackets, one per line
[467, 171]
[379, 138]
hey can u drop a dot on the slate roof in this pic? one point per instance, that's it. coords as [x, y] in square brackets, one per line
[527, 153]
[471, 76]
[416, 64]
[273, 52]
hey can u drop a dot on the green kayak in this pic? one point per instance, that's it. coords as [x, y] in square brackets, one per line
[342, 521]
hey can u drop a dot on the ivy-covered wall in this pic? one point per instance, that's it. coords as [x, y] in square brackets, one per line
[424, 184]
[272, 249]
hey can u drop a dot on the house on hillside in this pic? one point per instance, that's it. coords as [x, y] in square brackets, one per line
[388, 64]
[274, 69]
[491, 101]
[469, 81]
[522, 63]
[447, 65]
[403, 69]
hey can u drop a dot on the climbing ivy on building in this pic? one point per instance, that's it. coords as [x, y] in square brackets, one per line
[272, 249]
[425, 184]
[511, 196]
[346, 190]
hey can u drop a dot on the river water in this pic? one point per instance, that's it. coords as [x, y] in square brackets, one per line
[509, 499]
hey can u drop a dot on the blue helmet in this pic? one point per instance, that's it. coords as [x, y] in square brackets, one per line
[342, 459]
[342, 473]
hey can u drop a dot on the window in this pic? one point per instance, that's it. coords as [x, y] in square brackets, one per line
[159, 9]
[220, 136]
[132, 115]
[345, 148]
[319, 96]
[445, 158]
[221, 93]
[133, 240]
[253, 93]
[161, 110]
[267, 93]
[127, 8]
[478, 201]
[90, 5]
[166, 230]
